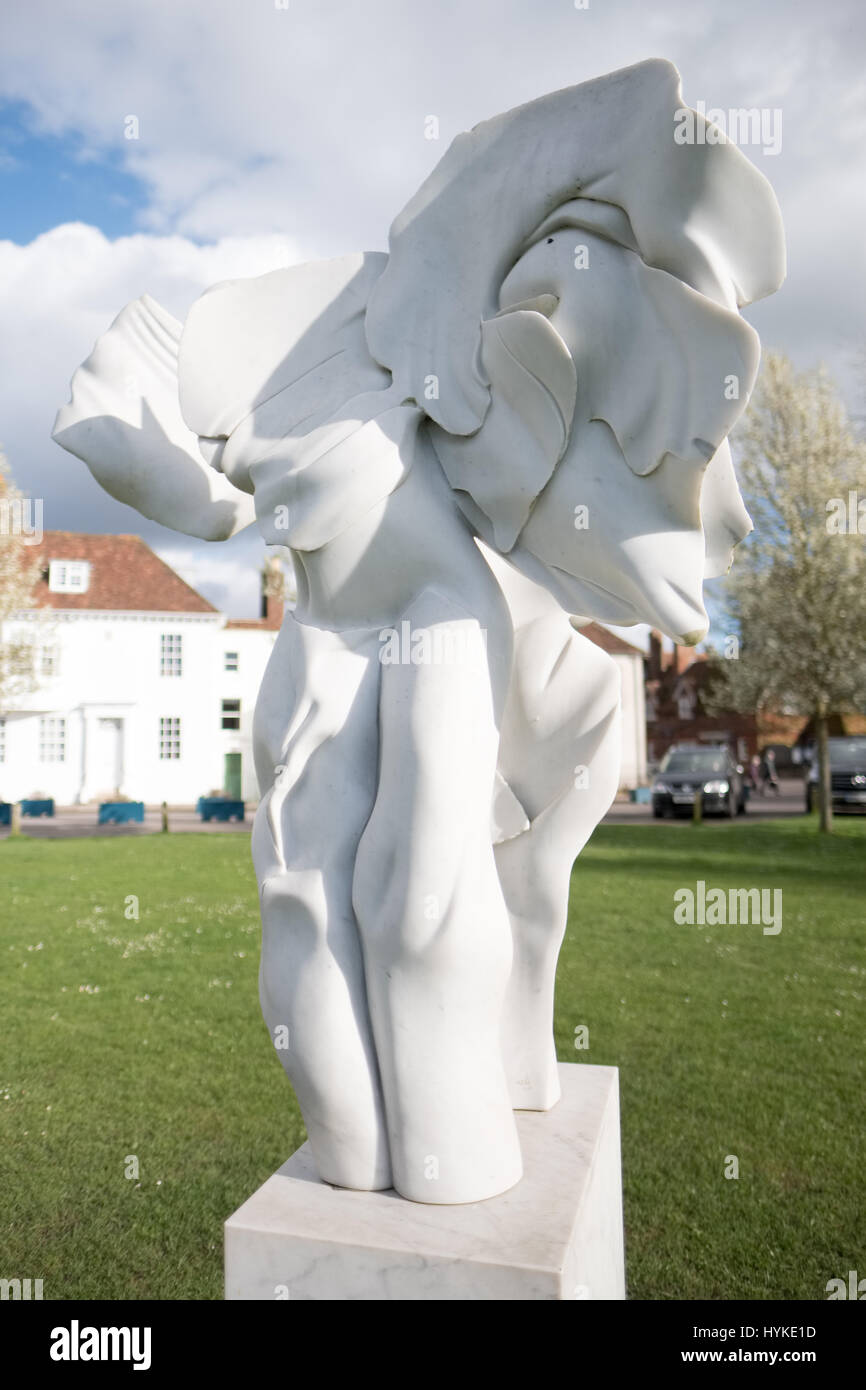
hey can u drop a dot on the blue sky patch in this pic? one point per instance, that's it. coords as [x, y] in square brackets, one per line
[49, 179]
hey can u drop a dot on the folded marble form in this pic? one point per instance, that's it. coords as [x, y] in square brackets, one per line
[519, 414]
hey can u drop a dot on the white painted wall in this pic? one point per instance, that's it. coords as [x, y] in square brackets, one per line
[108, 668]
[253, 648]
[633, 770]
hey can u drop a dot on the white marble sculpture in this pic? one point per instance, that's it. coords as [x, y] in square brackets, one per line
[517, 414]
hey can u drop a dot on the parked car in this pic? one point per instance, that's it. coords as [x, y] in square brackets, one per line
[847, 775]
[690, 770]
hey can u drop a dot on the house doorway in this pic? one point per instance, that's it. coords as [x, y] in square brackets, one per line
[106, 760]
[232, 776]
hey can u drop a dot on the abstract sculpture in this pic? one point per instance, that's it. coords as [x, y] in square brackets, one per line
[518, 414]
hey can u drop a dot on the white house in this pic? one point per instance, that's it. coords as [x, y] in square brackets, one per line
[630, 661]
[144, 688]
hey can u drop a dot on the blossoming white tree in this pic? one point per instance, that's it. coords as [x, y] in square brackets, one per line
[797, 595]
[17, 577]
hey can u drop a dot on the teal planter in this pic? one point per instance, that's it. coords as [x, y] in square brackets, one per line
[116, 812]
[38, 808]
[220, 808]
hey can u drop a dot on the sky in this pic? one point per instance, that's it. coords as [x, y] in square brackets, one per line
[164, 146]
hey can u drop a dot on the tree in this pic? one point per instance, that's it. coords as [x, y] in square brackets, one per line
[18, 573]
[278, 579]
[797, 591]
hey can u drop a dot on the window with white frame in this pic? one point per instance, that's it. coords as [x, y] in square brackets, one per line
[2, 740]
[48, 660]
[169, 739]
[170, 654]
[52, 739]
[232, 663]
[68, 576]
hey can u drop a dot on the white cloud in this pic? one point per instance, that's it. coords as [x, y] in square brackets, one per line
[286, 134]
[310, 119]
[228, 574]
[56, 296]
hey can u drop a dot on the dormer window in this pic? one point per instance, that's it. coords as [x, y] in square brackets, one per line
[68, 576]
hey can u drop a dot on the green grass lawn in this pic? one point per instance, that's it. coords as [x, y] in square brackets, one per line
[143, 1037]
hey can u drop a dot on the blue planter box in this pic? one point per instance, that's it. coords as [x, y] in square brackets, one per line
[642, 795]
[38, 808]
[5, 812]
[219, 808]
[118, 811]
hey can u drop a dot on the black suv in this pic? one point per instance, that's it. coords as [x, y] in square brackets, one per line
[847, 775]
[687, 771]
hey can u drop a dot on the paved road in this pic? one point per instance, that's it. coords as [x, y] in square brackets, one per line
[791, 801]
[71, 822]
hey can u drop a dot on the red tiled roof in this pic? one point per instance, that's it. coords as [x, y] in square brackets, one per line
[608, 641]
[125, 576]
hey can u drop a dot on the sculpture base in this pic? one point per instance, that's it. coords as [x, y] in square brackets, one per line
[557, 1235]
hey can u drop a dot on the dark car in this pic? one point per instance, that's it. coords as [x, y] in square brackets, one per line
[847, 775]
[686, 772]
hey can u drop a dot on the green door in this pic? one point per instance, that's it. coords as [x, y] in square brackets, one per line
[232, 777]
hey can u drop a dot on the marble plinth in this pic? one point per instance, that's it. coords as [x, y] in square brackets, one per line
[557, 1234]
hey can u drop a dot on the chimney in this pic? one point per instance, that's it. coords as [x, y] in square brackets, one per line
[273, 592]
[272, 611]
[654, 662]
